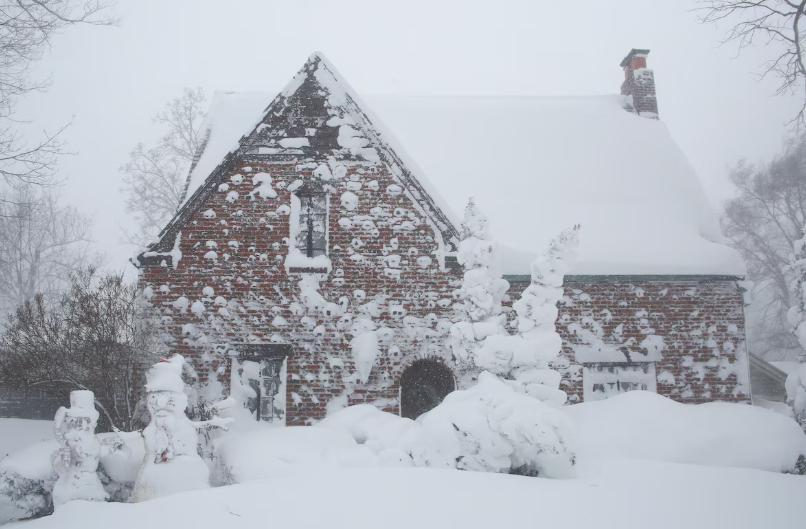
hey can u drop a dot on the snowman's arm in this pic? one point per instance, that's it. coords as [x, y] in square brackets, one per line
[215, 422]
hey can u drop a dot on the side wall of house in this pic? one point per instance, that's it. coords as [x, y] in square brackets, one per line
[230, 286]
[694, 329]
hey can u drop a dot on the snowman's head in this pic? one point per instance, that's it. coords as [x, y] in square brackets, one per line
[165, 403]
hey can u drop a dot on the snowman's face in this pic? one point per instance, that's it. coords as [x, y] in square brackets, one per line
[78, 423]
[166, 403]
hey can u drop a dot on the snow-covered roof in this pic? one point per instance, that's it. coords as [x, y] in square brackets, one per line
[535, 166]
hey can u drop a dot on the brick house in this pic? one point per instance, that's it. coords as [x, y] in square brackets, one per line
[314, 212]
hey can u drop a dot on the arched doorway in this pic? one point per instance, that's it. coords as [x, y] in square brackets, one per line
[423, 386]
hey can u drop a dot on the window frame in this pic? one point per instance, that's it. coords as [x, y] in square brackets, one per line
[309, 248]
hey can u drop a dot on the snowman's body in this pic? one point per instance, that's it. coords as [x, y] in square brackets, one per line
[172, 463]
[76, 462]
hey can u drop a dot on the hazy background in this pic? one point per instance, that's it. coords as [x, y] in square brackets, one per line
[114, 79]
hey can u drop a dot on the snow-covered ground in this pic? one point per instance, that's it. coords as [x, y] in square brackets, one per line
[643, 460]
[16, 434]
[623, 495]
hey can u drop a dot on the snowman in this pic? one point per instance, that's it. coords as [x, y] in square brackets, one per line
[76, 462]
[172, 463]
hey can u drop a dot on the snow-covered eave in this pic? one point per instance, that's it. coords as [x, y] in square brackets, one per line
[191, 205]
[188, 209]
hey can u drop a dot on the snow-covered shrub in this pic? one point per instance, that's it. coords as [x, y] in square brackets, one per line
[490, 427]
[27, 478]
[493, 428]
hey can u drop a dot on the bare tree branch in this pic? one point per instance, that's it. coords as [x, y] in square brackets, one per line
[154, 178]
[762, 223]
[99, 336]
[26, 30]
[41, 243]
[777, 24]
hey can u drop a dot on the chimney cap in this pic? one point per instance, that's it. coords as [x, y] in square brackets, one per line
[635, 52]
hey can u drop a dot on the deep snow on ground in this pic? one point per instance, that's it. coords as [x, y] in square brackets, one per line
[644, 425]
[628, 494]
[16, 434]
[643, 461]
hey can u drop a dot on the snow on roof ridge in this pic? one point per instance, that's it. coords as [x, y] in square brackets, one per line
[326, 75]
[389, 142]
[526, 145]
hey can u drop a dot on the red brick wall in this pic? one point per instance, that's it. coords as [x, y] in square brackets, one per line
[702, 325]
[254, 278]
[696, 320]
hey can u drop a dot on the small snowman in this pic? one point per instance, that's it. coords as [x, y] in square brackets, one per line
[172, 463]
[76, 462]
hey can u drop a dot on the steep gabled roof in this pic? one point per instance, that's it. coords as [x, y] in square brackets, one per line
[316, 114]
[535, 165]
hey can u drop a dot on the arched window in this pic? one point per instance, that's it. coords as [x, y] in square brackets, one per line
[423, 386]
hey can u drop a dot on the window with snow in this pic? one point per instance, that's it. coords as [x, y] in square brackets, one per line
[602, 381]
[312, 232]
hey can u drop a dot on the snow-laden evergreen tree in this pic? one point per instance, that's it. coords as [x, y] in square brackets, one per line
[508, 421]
[76, 462]
[483, 288]
[537, 313]
[796, 381]
[481, 343]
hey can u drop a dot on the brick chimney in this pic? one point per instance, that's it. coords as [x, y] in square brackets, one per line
[639, 85]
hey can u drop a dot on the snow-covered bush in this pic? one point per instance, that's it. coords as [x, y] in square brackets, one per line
[493, 428]
[490, 427]
[27, 478]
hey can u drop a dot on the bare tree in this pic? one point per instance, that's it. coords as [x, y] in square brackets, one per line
[99, 337]
[41, 243]
[155, 178]
[26, 30]
[763, 221]
[778, 24]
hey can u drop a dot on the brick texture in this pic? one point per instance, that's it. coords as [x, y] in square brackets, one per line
[388, 253]
[701, 323]
[250, 239]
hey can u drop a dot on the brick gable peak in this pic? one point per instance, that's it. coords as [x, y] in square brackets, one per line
[316, 117]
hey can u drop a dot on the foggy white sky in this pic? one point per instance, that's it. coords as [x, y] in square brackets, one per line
[113, 80]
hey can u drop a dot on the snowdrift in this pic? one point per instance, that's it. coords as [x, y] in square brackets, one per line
[644, 425]
[352, 454]
[657, 495]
